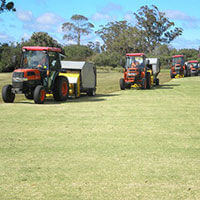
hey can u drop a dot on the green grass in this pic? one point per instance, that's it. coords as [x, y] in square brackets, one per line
[132, 144]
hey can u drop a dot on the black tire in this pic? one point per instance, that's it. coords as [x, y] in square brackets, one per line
[148, 80]
[171, 74]
[39, 94]
[144, 83]
[7, 94]
[185, 73]
[61, 89]
[122, 84]
[157, 81]
[91, 92]
[29, 95]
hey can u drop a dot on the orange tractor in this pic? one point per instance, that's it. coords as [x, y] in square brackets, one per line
[193, 66]
[38, 75]
[178, 67]
[138, 73]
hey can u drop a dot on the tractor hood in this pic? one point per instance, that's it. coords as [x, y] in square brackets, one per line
[30, 74]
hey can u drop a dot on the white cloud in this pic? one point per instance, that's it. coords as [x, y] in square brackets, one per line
[111, 7]
[46, 22]
[5, 37]
[187, 21]
[99, 16]
[25, 16]
[181, 43]
[178, 15]
[49, 19]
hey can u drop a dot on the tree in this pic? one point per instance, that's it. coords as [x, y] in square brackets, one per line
[6, 6]
[96, 47]
[7, 52]
[77, 52]
[155, 27]
[121, 37]
[41, 39]
[190, 54]
[77, 28]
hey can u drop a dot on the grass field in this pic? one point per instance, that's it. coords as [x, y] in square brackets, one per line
[132, 144]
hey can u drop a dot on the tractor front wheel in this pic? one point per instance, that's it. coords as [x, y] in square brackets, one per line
[61, 89]
[171, 74]
[144, 83]
[29, 95]
[122, 84]
[7, 94]
[39, 94]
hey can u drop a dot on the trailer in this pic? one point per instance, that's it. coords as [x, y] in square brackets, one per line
[81, 76]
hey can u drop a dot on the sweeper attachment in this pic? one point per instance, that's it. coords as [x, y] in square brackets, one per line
[81, 77]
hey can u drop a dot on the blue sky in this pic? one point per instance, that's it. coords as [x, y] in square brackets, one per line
[49, 15]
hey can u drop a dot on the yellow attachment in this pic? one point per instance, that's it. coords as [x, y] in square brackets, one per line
[49, 95]
[179, 76]
[136, 85]
[73, 78]
[149, 70]
[152, 82]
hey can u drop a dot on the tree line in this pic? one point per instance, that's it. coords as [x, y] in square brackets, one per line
[152, 35]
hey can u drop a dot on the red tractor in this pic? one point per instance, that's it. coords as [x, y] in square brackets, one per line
[136, 72]
[37, 76]
[178, 67]
[193, 65]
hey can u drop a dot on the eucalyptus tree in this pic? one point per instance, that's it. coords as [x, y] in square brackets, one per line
[78, 27]
[155, 27]
[121, 37]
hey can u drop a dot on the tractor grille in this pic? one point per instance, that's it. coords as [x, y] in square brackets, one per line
[177, 69]
[17, 84]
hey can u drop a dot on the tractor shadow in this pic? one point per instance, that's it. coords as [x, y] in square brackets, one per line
[96, 98]
[165, 86]
[82, 98]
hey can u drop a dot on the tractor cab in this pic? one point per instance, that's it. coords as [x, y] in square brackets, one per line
[178, 60]
[178, 69]
[135, 64]
[136, 60]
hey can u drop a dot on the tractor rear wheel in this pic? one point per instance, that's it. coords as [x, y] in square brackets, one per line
[122, 84]
[7, 94]
[61, 89]
[185, 73]
[39, 94]
[157, 81]
[171, 74]
[148, 80]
